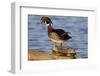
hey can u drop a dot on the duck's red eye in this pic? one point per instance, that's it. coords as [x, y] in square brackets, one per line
[47, 22]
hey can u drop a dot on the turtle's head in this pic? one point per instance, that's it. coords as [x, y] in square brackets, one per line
[46, 20]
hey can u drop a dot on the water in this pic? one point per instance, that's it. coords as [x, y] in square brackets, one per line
[78, 26]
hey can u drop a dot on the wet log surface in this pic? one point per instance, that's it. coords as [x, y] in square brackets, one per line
[67, 53]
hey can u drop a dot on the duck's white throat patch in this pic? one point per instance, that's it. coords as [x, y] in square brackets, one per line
[47, 24]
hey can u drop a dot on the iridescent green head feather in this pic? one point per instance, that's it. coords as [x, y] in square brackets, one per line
[46, 20]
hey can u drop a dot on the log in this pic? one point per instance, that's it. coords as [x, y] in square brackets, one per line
[69, 53]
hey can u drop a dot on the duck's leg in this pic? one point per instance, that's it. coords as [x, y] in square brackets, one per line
[54, 49]
[62, 45]
[54, 46]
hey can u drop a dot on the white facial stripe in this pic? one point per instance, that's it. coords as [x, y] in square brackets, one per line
[45, 22]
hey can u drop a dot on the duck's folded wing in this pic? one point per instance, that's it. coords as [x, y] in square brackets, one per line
[59, 31]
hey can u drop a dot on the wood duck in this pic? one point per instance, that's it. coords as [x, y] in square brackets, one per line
[56, 35]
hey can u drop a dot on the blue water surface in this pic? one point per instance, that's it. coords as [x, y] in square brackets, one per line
[78, 26]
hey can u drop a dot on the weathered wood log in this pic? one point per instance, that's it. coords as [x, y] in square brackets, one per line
[68, 52]
[40, 55]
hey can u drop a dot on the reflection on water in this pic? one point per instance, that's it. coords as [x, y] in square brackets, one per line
[38, 38]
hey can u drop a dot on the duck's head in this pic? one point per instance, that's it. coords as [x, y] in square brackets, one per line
[46, 20]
